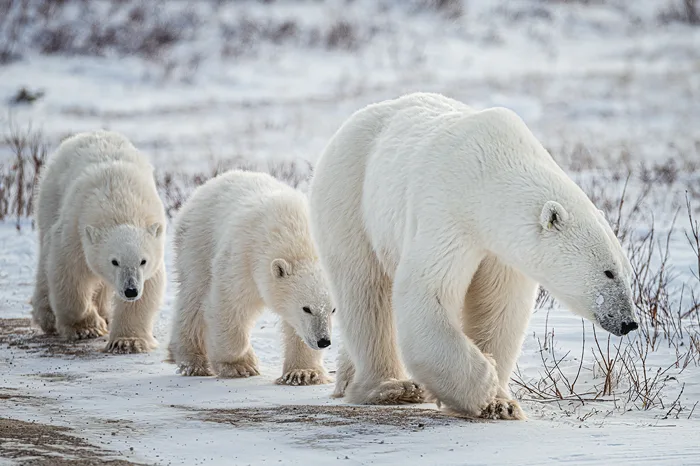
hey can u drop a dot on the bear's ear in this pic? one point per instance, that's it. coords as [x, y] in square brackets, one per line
[155, 229]
[93, 234]
[280, 268]
[553, 216]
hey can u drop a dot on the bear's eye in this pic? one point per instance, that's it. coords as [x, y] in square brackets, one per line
[609, 274]
[333, 311]
[115, 263]
[143, 262]
[306, 309]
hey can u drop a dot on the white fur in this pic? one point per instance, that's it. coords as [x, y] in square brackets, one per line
[434, 223]
[98, 203]
[242, 242]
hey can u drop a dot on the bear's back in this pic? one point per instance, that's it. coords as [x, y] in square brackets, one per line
[116, 192]
[239, 210]
[222, 199]
[84, 160]
[75, 158]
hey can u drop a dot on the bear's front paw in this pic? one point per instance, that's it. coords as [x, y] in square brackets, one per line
[127, 345]
[503, 409]
[304, 377]
[235, 369]
[193, 370]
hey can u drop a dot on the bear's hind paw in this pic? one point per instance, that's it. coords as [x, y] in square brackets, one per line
[235, 370]
[340, 387]
[46, 321]
[503, 409]
[88, 333]
[397, 392]
[298, 377]
[193, 370]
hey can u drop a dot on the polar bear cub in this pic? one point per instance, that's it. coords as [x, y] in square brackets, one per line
[435, 222]
[101, 231]
[242, 243]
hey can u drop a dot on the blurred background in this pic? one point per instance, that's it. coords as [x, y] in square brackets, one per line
[602, 83]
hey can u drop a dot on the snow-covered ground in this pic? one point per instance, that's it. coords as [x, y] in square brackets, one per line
[135, 407]
[606, 85]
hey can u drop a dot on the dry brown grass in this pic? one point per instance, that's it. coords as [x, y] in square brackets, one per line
[135, 28]
[684, 11]
[175, 188]
[19, 176]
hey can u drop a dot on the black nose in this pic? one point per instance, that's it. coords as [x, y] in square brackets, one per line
[627, 327]
[323, 343]
[131, 292]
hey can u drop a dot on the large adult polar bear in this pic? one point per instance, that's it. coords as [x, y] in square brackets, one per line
[101, 230]
[437, 221]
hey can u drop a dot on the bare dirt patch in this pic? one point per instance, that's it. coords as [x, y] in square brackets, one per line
[36, 444]
[19, 333]
[58, 376]
[10, 397]
[8, 393]
[338, 422]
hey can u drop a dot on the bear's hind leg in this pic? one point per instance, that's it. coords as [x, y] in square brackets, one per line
[302, 365]
[344, 374]
[229, 318]
[369, 333]
[42, 315]
[103, 302]
[132, 327]
[496, 312]
[186, 348]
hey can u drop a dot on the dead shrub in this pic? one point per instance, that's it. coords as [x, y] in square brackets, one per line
[19, 178]
[342, 35]
[682, 11]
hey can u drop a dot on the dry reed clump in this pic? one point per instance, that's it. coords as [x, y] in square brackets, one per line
[19, 175]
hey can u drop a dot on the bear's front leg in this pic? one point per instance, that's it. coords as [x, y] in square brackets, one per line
[434, 347]
[495, 316]
[71, 300]
[132, 324]
[302, 365]
[229, 319]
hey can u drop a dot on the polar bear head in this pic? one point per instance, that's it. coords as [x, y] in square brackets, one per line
[583, 265]
[125, 256]
[299, 294]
